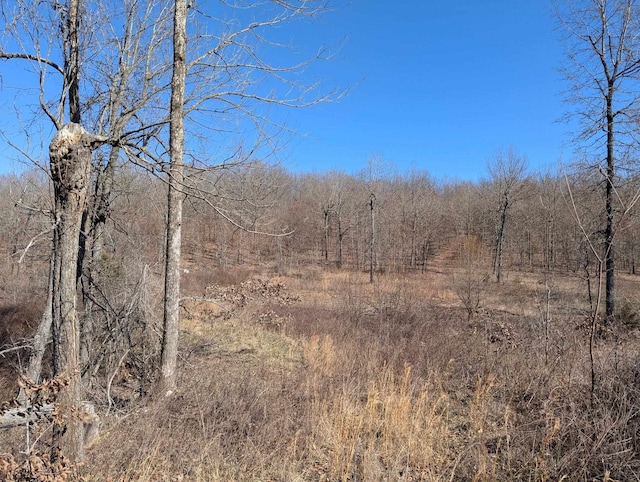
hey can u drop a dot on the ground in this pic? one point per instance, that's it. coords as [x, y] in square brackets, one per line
[317, 375]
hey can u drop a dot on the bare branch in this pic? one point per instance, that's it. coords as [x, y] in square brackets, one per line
[40, 60]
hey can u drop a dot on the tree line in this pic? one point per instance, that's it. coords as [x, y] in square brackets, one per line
[266, 215]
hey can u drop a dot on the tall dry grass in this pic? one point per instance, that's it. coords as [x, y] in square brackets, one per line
[382, 382]
[395, 427]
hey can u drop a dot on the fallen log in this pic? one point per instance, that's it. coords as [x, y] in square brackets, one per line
[19, 416]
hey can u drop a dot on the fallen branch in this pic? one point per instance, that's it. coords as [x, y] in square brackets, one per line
[21, 416]
[16, 417]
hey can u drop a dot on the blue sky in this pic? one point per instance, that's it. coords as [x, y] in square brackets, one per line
[433, 85]
[438, 86]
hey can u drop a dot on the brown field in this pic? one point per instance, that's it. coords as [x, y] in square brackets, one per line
[319, 375]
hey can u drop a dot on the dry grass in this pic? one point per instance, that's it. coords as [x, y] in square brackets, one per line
[384, 382]
[397, 429]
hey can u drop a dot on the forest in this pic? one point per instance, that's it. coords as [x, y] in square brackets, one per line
[175, 305]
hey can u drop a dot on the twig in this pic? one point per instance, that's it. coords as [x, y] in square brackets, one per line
[15, 348]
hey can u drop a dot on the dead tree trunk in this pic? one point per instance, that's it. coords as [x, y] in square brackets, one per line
[33, 414]
[70, 159]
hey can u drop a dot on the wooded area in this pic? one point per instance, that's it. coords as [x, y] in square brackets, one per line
[423, 229]
[300, 219]
[159, 195]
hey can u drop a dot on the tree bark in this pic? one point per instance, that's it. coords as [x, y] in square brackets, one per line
[72, 61]
[497, 264]
[70, 161]
[372, 239]
[325, 227]
[170, 332]
[19, 416]
[609, 212]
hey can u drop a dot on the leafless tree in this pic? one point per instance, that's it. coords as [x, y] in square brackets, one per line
[174, 204]
[222, 76]
[603, 71]
[57, 37]
[507, 172]
[342, 209]
[96, 67]
[373, 177]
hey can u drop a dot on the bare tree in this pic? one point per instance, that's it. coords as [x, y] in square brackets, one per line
[224, 74]
[417, 209]
[227, 84]
[342, 207]
[174, 203]
[329, 196]
[106, 72]
[603, 53]
[70, 161]
[372, 235]
[506, 171]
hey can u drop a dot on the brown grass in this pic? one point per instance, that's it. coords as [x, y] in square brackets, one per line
[388, 381]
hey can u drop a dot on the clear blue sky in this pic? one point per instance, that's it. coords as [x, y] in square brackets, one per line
[434, 85]
[438, 86]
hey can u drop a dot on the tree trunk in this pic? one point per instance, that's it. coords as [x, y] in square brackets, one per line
[497, 265]
[413, 249]
[609, 229]
[66, 154]
[72, 67]
[372, 240]
[91, 247]
[25, 415]
[40, 339]
[70, 161]
[340, 242]
[325, 246]
[170, 332]
[425, 254]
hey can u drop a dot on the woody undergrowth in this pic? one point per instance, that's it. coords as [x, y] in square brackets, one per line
[349, 381]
